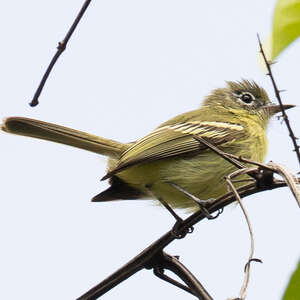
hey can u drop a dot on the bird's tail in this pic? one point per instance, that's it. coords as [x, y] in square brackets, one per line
[59, 134]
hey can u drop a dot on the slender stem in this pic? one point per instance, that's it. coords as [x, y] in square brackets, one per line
[238, 198]
[277, 93]
[230, 159]
[60, 49]
[233, 159]
[290, 179]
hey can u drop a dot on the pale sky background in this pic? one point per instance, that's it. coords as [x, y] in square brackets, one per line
[130, 66]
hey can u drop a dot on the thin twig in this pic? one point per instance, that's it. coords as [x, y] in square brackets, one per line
[238, 198]
[277, 93]
[233, 159]
[290, 179]
[60, 49]
[223, 154]
[252, 162]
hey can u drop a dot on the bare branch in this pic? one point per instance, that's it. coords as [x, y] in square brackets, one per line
[225, 155]
[277, 93]
[141, 260]
[60, 49]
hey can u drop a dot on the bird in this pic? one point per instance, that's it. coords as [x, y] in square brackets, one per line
[233, 118]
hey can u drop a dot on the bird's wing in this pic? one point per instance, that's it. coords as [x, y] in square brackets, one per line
[175, 140]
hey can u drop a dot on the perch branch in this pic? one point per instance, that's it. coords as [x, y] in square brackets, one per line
[142, 260]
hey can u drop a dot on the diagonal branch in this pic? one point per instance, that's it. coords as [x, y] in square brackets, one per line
[60, 49]
[277, 93]
[233, 160]
[142, 260]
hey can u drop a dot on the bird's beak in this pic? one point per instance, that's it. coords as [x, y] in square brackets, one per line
[273, 109]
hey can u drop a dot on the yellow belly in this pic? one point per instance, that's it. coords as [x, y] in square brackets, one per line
[201, 176]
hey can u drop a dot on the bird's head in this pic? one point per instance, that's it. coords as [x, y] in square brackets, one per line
[245, 98]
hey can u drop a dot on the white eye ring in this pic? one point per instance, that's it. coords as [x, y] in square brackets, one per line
[245, 97]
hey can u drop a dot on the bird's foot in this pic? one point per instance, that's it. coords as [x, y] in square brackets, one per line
[201, 203]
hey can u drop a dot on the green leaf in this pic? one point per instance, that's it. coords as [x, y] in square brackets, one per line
[292, 292]
[286, 25]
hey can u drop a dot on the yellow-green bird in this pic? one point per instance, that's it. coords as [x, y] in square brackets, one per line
[233, 118]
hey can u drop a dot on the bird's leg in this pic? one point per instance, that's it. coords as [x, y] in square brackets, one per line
[164, 203]
[176, 228]
[200, 203]
[170, 209]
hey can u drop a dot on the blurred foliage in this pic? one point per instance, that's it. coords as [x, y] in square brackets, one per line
[292, 291]
[286, 26]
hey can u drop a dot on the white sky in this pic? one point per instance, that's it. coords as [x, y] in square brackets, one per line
[130, 66]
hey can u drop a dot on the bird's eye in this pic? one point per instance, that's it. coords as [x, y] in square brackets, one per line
[247, 98]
